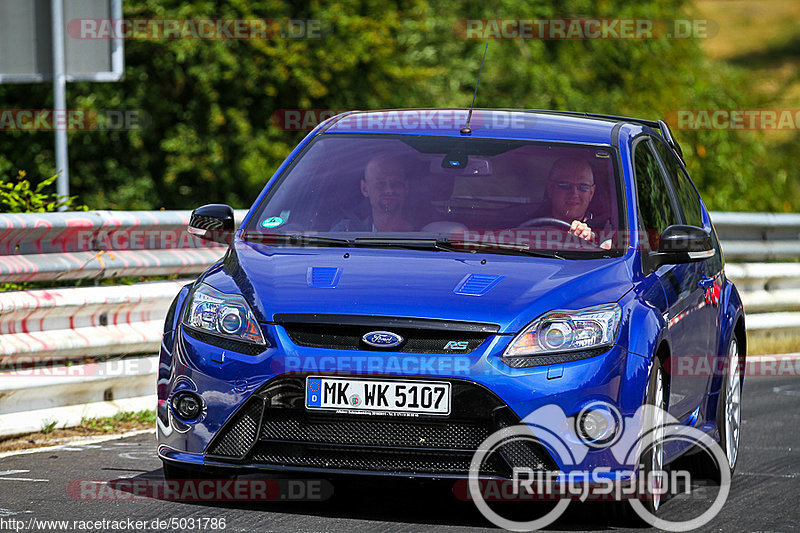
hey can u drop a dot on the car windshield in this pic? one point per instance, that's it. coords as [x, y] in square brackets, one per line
[445, 193]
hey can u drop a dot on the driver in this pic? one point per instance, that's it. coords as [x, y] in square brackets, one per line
[385, 185]
[570, 187]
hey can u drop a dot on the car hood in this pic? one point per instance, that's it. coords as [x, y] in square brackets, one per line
[505, 290]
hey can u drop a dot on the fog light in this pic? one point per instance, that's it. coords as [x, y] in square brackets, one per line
[187, 405]
[597, 425]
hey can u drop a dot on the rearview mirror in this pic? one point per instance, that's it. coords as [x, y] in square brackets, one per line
[212, 222]
[683, 244]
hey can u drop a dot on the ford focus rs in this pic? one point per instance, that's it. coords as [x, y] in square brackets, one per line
[404, 287]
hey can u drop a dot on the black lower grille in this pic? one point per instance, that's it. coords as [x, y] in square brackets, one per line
[291, 436]
[240, 433]
[280, 425]
[400, 461]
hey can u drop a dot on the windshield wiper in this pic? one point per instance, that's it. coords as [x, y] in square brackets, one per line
[301, 239]
[456, 246]
[417, 244]
[502, 247]
[441, 244]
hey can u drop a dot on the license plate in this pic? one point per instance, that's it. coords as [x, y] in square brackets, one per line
[424, 397]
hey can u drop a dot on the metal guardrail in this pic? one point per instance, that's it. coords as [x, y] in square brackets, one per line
[758, 236]
[83, 322]
[57, 325]
[100, 244]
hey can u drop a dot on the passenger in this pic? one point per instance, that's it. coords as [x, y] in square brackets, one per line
[385, 185]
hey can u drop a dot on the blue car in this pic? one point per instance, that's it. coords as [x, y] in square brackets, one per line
[405, 286]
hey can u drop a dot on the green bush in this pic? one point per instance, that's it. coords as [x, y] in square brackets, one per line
[20, 196]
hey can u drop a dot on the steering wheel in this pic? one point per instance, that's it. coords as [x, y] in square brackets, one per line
[546, 221]
[555, 222]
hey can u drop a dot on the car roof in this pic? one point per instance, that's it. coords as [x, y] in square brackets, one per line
[526, 124]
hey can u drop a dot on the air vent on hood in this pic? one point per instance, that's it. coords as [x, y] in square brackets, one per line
[323, 277]
[477, 284]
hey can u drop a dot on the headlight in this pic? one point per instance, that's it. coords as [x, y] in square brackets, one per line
[567, 331]
[226, 315]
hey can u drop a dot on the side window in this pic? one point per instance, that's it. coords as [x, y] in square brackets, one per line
[684, 190]
[656, 211]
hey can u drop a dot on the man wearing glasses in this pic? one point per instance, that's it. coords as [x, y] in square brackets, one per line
[570, 187]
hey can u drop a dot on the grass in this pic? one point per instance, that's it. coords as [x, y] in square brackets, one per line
[773, 343]
[745, 26]
[763, 38]
[112, 423]
[50, 435]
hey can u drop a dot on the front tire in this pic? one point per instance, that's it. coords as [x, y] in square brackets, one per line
[653, 458]
[729, 408]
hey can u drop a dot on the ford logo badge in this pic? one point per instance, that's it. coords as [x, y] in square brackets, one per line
[382, 339]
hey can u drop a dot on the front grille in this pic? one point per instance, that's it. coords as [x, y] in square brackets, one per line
[349, 338]
[345, 332]
[291, 436]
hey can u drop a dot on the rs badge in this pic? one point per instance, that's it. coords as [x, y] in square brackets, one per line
[456, 345]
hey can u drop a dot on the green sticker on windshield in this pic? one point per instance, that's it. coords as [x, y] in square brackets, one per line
[602, 155]
[271, 222]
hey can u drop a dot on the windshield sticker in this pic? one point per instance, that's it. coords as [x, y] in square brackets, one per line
[602, 155]
[272, 222]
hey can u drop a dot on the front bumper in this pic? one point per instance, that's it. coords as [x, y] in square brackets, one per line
[255, 416]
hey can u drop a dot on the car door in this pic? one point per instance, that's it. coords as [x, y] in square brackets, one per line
[708, 273]
[687, 329]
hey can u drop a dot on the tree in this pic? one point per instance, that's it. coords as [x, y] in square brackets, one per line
[209, 137]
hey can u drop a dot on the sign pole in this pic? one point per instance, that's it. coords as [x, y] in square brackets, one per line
[60, 100]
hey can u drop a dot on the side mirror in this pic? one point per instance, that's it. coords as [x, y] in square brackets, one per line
[683, 244]
[212, 222]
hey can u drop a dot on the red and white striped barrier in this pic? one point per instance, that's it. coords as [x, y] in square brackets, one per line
[58, 326]
[101, 244]
[55, 343]
[83, 322]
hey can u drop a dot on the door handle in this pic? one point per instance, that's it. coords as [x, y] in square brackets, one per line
[706, 283]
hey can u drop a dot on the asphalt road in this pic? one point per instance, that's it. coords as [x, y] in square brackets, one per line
[46, 485]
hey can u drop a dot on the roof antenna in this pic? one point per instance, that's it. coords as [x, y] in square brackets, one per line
[466, 130]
